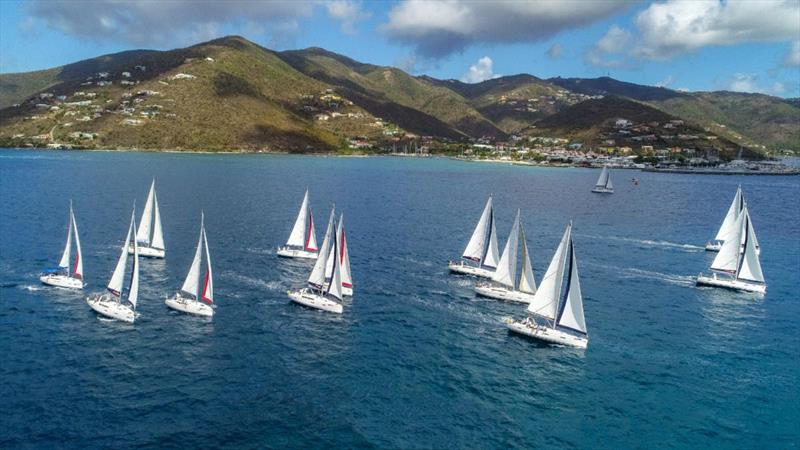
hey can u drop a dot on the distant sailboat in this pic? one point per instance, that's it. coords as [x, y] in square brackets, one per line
[556, 312]
[604, 185]
[110, 304]
[150, 236]
[737, 265]
[302, 242]
[187, 299]
[727, 228]
[503, 285]
[344, 260]
[60, 277]
[481, 249]
[323, 294]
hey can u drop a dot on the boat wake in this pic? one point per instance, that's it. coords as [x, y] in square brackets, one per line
[254, 282]
[31, 287]
[679, 280]
[649, 243]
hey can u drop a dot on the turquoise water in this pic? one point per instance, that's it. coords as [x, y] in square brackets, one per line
[416, 360]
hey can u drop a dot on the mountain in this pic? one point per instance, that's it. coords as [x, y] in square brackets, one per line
[232, 94]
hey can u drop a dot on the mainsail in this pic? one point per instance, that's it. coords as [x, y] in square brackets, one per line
[303, 234]
[64, 262]
[78, 271]
[117, 278]
[317, 277]
[193, 277]
[604, 180]
[150, 232]
[482, 245]
[546, 299]
[527, 283]
[726, 230]
[727, 260]
[208, 291]
[507, 267]
[571, 311]
[335, 284]
[749, 268]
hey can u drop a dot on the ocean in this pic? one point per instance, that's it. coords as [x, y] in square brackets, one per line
[416, 360]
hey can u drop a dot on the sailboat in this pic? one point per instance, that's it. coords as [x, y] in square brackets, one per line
[503, 285]
[344, 260]
[150, 236]
[302, 242]
[556, 313]
[321, 293]
[60, 276]
[727, 228]
[111, 304]
[187, 300]
[604, 185]
[481, 249]
[737, 265]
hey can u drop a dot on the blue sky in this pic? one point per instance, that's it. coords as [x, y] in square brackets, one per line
[749, 46]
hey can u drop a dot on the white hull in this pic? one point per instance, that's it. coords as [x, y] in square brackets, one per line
[731, 283]
[62, 281]
[713, 246]
[189, 306]
[464, 269]
[347, 291]
[109, 306]
[288, 252]
[547, 334]
[148, 252]
[602, 190]
[503, 293]
[307, 298]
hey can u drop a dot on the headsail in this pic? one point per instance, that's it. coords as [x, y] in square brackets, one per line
[115, 284]
[347, 278]
[490, 259]
[507, 267]
[78, 270]
[527, 283]
[477, 243]
[64, 262]
[571, 313]
[298, 235]
[335, 284]
[317, 277]
[726, 229]
[727, 260]
[133, 288]
[208, 291]
[158, 233]
[311, 234]
[749, 265]
[143, 233]
[193, 277]
[545, 301]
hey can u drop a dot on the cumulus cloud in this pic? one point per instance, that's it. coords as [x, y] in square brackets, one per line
[480, 71]
[748, 82]
[610, 50]
[554, 52]
[792, 58]
[439, 28]
[348, 13]
[674, 27]
[666, 82]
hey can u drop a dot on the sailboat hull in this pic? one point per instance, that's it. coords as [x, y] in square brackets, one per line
[713, 246]
[189, 306]
[108, 306]
[731, 283]
[288, 252]
[307, 298]
[148, 252]
[547, 334]
[61, 281]
[602, 190]
[465, 269]
[502, 293]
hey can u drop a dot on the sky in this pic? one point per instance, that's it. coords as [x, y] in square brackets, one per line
[696, 45]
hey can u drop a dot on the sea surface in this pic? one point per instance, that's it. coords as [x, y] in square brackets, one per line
[416, 360]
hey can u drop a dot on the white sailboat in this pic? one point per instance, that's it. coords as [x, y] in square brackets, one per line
[556, 312]
[480, 255]
[728, 223]
[344, 260]
[60, 276]
[737, 265]
[187, 299]
[150, 236]
[322, 294]
[302, 242]
[111, 304]
[604, 185]
[503, 285]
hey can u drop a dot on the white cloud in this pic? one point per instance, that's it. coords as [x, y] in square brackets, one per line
[679, 26]
[555, 50]
[439, 28]
[666, 82]
[748, 82]
[480, 71]
[348, 12]
[792, 58]
[610, 50]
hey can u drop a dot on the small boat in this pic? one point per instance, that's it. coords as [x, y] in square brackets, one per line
[344, 260]
[186, 300]
[60, 276]
[111, 304]
[604, 185]
[302, 242]
[737, 265]
[503, 286]
[480, 256]
[727, 228]
[322, 294]
[556, 312]
[150, 236]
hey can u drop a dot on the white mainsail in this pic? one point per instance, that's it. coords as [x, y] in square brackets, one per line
[527, 283]
[571, 313]
[64, 262]
[143, 233]
[545, 300]
[117, 278]
[726, 230]
[298, 236]
[158, 233]
[507, 267]
[335, 284]
[476, 246]
[749, 266]
[727, 260]
[208, 291]
[78, 271]
[190, 285]
[133, 289]
[604, 180]
[317, 277]
[491, 256]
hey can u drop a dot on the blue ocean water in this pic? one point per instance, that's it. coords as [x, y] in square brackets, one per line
[416, 360]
